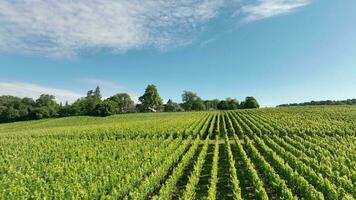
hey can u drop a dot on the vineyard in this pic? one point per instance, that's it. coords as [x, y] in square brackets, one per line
[276, 153]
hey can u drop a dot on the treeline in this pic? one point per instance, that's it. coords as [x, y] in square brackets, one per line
[20, 109]
[326, 102]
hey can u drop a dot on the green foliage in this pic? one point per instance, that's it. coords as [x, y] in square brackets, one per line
[318, 103]
[123, 103]
[250, 102]
[45, 107]
[150, 100]
[191, 101]
[88, 105]
[228, 104]
[214, 171]
[211, 104]
[166, 192]
[17, 109]
[233, 173]
[105, 108]
[171, 106]
[284, 153]
[189, 192]
[66, 110]
[92, 102]
[14, 108]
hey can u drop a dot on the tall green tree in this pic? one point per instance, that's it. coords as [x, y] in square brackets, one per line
[171, 106]
[45, 107]
[211, 104]
[191, 101]
[88, 105]
[123, 102]
[79, 106]
[105, 108]
[199, 105]
[250, 102]
[92, 100]
[150, 100]
[228, 104]
[223, 105]
[66, 110]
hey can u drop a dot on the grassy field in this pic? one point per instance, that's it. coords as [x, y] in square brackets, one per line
[279, 153]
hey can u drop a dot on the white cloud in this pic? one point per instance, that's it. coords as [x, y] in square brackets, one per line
[21, 89]
[207, 42]
[67, 27]
[64, 27]
[268, 8]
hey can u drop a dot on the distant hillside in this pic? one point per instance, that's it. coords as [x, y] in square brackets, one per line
[326, 102]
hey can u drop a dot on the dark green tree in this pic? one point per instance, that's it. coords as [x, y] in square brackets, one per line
[79, 106]
[92, 100]
[123, 102]
[228, 104]
[188, 99]
[87, 105]
[199, 105]
[223, 105]
[150, 100]
[15, 109]
[171, 106]
[211, 104]
[105, 108]
[250, 102]
[45, 107]
[232, 103]
[191, 101]
[66, 110]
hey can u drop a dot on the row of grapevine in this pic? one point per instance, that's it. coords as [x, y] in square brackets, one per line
[279, 184]
[252, 175]
[269, 173]
[320, 169]
[151, 182]
[196, 128]
[143, 125]
[232, 169]
[214, 171]
[341, 164]
[330, 120]
[287, 153]
[166, 192]
[124, 189]
[212, 125]
[190, 188]
[323, 184]
[45, 167]
[338, 162]
[345, 157]
[299, 185]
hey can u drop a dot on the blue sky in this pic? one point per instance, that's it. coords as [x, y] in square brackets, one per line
[279, 51]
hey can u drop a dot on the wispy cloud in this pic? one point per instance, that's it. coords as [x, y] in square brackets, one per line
[268, 8]
[21, 89]
[207, 42]
[67, 27]
[64, 27]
